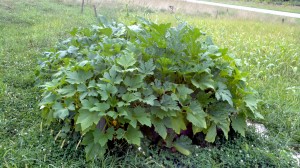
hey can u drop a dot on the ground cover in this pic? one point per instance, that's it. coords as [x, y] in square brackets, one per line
[269, 52]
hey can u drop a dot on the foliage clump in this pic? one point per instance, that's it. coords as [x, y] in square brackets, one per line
[125, 82]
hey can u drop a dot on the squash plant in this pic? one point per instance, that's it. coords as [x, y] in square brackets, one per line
[112, 80]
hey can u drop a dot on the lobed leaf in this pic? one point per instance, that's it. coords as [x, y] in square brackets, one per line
[147, 68]
[87, 119]
[133, 135]
[203, 81]
[78, 77]
[223, 93]
[126, 60]
[238, 124]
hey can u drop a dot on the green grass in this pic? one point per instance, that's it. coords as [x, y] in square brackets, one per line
[271, 56]
[270, 53]
[293, 6]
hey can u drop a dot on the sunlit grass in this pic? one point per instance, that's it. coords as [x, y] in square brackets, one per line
[269, 51]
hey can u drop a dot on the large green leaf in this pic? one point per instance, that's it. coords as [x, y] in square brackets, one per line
[120, 133]
[133, 135]
[112, 76]
[149, 99]
[159, 127]
[89, 103]
[223, 93]
[130, 97]
[102, 137]
[238, 123]
[106, 90]
[141, 116]
[60, 111]
[147, 67]
[94, 150]
[134, 82]
[126, 60]
[183, 144]
[87, 119]
[183, 91]
[100, 108]
[203, 81]
[78, 77]
[195, 108]
[167, 103]
[251, 103]
[67, 91]
[178, 123]
[219, 112]
[225, 127]
[196, 114]
[197, 119]
[158, 112]
[50, 98]
[138, 114]
[82, 88]
[51, 85]
[211, 133]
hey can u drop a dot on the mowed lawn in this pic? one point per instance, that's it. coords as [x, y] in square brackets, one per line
[269, 52]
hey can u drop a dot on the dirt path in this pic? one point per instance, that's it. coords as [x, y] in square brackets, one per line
[258, 10]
